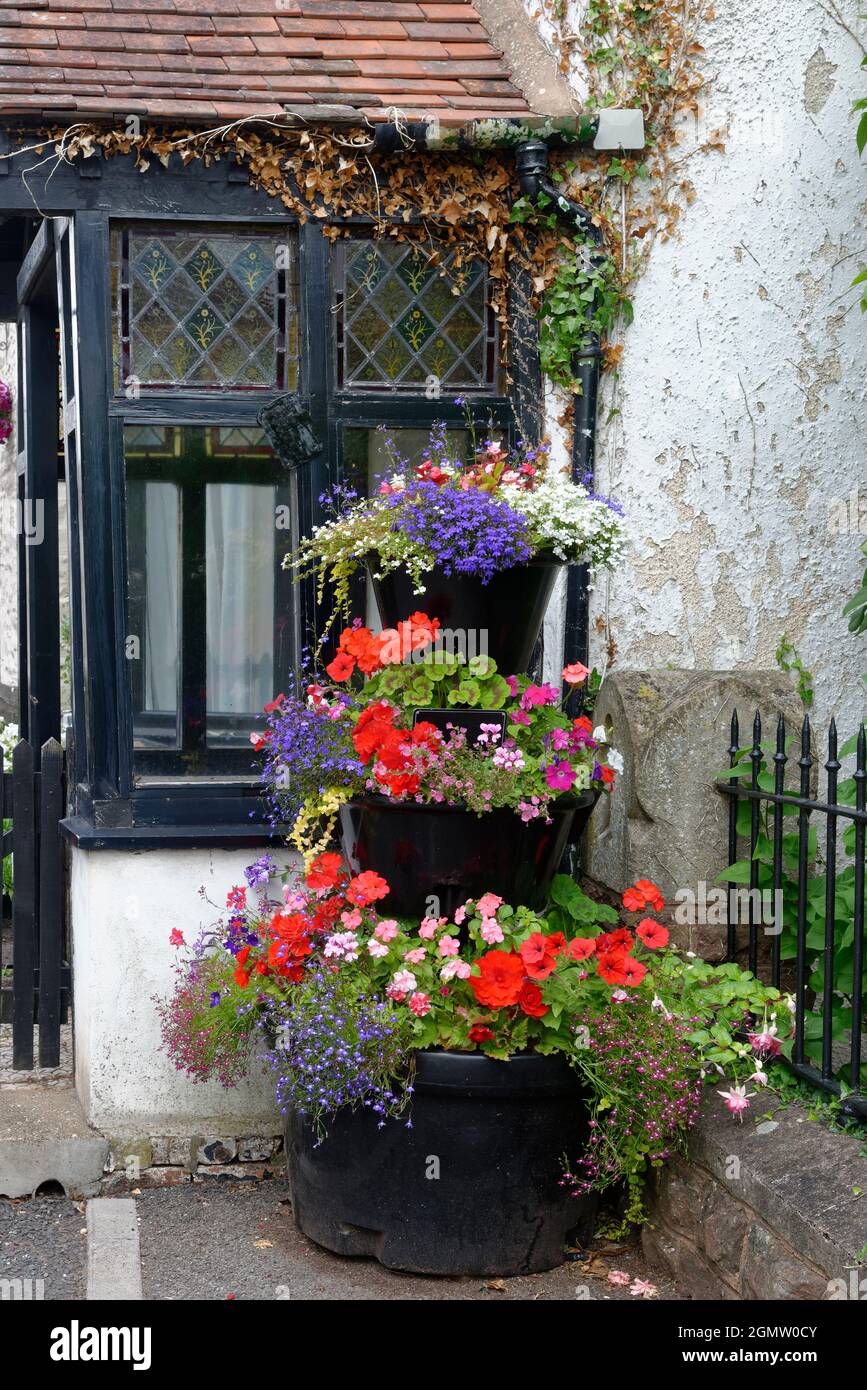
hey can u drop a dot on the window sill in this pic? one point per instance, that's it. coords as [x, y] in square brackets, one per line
[83, 834]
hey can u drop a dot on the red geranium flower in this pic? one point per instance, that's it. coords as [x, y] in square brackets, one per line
[608, 941]
[366, 888]
[341, 668]
[539, 953]
[581, 947]
[634, 971]
[501, 975]
[291, 929]
[479, 1033]
[653, 934]
[324, 871]
[242, 979]
[530, 1000]
[643, 894]
[611, 968]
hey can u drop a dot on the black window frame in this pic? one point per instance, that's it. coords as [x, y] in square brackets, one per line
[112, 806]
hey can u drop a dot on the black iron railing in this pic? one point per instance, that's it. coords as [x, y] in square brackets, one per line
[804, 892]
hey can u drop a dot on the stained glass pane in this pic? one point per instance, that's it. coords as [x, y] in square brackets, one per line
[409, 321]
[205, 309]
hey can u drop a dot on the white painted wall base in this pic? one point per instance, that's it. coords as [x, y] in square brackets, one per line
[123, 907]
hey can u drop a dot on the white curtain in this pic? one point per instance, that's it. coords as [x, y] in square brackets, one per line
[161, 597]
[240, 561]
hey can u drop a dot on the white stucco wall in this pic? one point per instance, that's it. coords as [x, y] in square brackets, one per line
[124, 906]
[741, 389]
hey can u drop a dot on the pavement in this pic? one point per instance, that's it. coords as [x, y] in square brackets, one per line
[218, 1240]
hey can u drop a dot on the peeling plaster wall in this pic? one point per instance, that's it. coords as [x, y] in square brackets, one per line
[741, 386]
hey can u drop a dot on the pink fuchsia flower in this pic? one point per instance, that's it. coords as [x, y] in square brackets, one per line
[640, 1288]
[377, 949]
[619, 1278]
[560, 776]
[419, 1003]
[460, 916]
[428, 928]
[487, 905]
[405, 981]
[766, 1041]
[176, 938]
[737, 1100]
[448, 946]
[759, 1077]
[492, 932]
[386, 931]
[456, 969]
[575, 673]
[415, 956]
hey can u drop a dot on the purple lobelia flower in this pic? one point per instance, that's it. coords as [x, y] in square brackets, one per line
[466, 532]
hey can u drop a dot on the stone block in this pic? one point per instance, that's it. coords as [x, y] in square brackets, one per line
[724, 1229]
[695, 1276]
[217, 1150]
[237, 1172]
[665, 820]
[257, 1150]
[772, 1270]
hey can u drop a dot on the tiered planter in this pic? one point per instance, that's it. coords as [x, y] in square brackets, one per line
[473, 1187]
[450, 853]
[509, 610]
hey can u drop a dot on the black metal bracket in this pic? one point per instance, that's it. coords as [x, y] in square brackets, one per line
[287, 423]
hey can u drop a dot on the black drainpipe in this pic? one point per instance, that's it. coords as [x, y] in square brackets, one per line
[531, 160]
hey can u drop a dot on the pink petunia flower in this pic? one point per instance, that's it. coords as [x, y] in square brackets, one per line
[559, 776]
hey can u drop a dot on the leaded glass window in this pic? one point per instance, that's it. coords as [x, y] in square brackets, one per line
[409, 320]
[210, 634]
[204, 310]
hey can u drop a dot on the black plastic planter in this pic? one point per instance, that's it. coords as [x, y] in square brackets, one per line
[508, 611]
[450, 853]
[473, 1187]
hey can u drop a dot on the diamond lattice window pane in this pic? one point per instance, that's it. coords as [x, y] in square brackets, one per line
[408, 317]
[205, 309]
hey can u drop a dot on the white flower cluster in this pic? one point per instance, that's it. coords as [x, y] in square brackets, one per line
[565, 519]
[8, 740]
